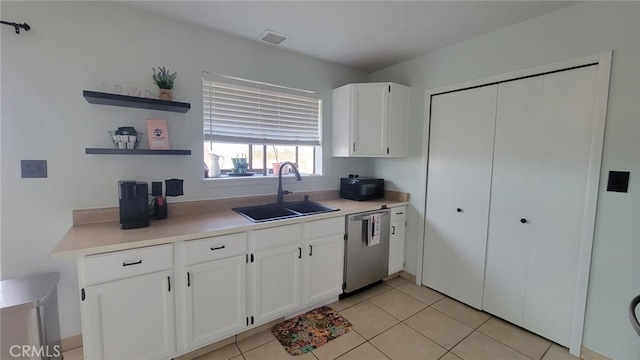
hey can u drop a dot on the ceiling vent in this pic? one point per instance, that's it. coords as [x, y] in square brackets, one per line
[273, 37]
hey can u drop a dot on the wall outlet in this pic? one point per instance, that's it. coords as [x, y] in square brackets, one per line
[33, 168]
[156, 188]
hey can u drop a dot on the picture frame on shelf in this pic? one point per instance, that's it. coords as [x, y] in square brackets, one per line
[158, 134]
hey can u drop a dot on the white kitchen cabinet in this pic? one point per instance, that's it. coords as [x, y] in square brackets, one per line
[397, 239]
[212, 280]
[216, 305]
[459, 180]
[216, 286]
[274, 272]
[370, 120]
[130, 319]
[323, 259]
[127, 304]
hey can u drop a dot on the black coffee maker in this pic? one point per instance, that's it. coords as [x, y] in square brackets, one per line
[134, 204]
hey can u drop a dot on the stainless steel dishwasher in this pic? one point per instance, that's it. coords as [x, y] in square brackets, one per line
[365, 264]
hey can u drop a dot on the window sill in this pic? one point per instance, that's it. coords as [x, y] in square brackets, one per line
[233, 181]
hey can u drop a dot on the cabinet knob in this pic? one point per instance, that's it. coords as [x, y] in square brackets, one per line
[459, 210]
[523, 220]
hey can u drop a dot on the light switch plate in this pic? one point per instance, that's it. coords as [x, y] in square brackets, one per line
[33, 168]
[618, 181]
[173, 187]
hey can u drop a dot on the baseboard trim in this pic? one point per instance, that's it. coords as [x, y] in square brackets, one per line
[71, 342]
[258, 329]
[206, 349]
[407, 276]
[588, 354]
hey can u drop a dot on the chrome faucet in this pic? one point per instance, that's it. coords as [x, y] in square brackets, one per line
[281, 192]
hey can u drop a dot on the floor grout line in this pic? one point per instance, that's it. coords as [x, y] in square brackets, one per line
[375, 347]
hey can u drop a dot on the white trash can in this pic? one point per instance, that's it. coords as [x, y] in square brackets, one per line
[29, 318]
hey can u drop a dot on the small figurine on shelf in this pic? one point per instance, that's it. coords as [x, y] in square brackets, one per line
[164, 79]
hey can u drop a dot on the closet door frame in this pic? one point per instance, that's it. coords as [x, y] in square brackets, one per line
[603, 61]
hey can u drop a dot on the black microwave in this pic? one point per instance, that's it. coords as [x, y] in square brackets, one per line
[361, 188]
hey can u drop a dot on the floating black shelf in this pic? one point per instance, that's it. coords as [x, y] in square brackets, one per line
[109, 151]
[94, 97]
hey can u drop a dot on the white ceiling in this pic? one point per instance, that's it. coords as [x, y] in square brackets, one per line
[365, 35]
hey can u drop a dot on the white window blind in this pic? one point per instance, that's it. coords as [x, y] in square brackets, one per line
[237, 111]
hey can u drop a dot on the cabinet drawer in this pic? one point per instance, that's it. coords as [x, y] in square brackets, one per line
[219, 247]
[398, 213]
[125, 264]
[275, 236]
[324, 228]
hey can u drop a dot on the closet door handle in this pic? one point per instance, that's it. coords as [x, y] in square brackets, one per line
[523, 220]
[459, 210]
[393, 230]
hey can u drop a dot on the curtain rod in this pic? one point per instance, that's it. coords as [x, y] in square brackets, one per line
[17, 26]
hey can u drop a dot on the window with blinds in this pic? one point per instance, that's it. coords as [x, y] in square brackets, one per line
[265, 124]
[240, 111]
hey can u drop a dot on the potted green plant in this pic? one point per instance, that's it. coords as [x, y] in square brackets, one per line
[164, 79]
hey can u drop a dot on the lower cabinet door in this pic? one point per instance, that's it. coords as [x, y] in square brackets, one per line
[275, 283]
[396, 247]
[323, 268]
[216, 300]
[130, 319]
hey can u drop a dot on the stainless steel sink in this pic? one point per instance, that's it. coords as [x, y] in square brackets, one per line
[271, 212]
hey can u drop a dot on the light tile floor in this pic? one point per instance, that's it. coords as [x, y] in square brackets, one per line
[399, 320]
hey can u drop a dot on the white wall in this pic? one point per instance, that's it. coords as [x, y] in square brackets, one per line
[71, 46]
[579, 30]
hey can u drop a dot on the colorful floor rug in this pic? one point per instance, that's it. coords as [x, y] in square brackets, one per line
[305, 332]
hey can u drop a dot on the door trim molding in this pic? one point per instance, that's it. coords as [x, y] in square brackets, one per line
[603, 61]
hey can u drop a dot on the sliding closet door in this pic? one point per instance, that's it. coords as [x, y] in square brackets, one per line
[515, 165]
[459, 180]
[543, 143]
[567, 112]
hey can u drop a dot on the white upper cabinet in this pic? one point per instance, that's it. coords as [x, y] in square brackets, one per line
[370, 120]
